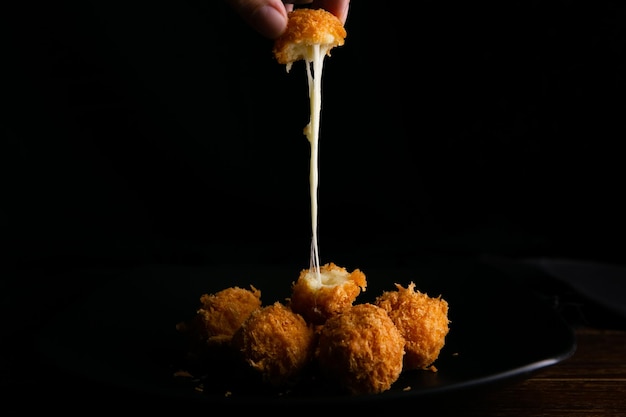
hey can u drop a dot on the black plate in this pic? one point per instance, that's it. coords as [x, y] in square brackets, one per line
[123, 337]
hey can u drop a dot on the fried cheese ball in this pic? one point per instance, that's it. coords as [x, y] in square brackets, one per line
[361, 350]
[422, 321]
[308, 29]
[222, 313]
[276, 342]
[318, 298]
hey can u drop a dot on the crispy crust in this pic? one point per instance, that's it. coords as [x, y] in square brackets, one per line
[337, 292]
[305, 28]
[222, 313]
[275, 342]
[219, 316]
[422, 321]
[361, 350]
[357, 348]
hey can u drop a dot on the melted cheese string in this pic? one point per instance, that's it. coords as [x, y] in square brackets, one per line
[314, 66]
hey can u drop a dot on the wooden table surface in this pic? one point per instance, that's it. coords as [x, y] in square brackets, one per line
[592, 382]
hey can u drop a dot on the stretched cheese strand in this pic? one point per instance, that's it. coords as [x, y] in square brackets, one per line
[314, 66]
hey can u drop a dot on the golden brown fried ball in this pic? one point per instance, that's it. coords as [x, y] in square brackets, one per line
[318, 298]
[307, 28]
[361, 350]
[276, 342]
[223, 312]
[422, 321]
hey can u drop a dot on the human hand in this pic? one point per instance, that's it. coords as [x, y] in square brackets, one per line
[269, 17]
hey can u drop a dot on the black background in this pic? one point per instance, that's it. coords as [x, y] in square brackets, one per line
[161, 131]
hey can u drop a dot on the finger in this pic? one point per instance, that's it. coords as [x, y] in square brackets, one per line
[337, 7]
[268, 17]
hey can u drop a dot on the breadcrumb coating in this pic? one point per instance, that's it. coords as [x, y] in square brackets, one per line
[222, 313]
[276, 342]
[305, 28]
[361, 350]
[422, 321]
[319, 333]
[318, 298]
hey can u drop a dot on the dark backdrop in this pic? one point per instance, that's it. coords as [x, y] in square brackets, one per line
[164, 131]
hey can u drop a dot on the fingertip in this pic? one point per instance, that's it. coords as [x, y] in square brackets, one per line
[337, 7]
[342, 11]
[270, 21]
